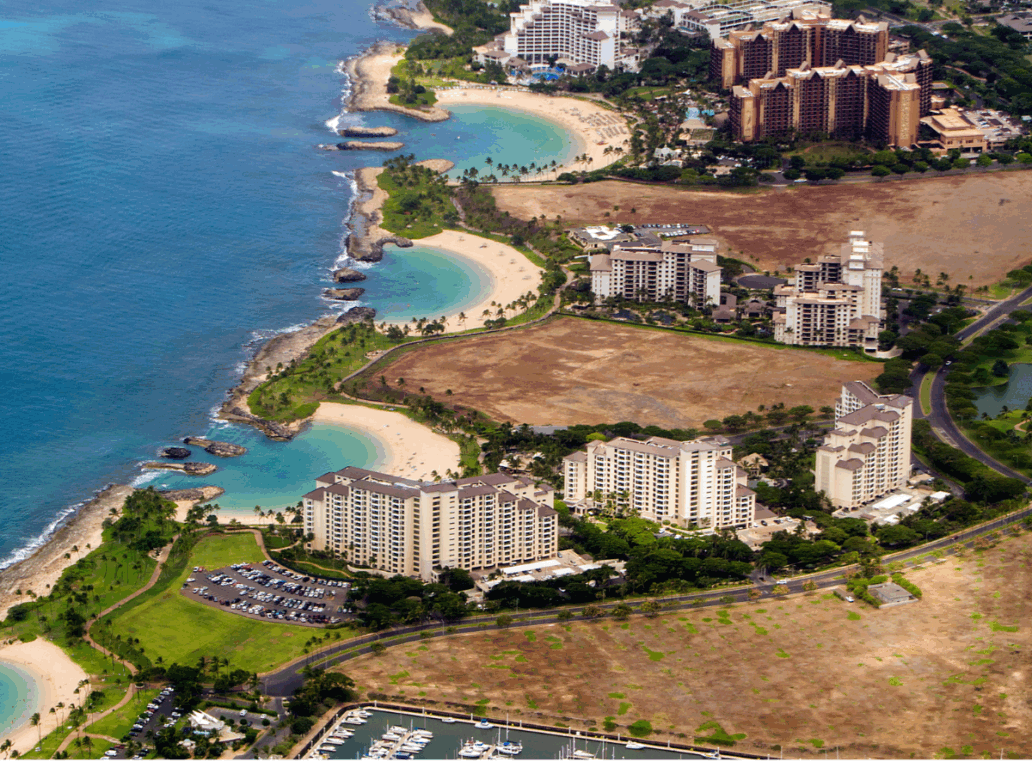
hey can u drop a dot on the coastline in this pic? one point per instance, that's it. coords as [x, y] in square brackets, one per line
[41, 569]
[55, 678]
[369, 73]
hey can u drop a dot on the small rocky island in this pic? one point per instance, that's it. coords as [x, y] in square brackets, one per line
[199, 494]
[348, 275]
[367, 131]
[174, 453]
[189, 468]
[343, 294]
[359, 145]
[218, 448]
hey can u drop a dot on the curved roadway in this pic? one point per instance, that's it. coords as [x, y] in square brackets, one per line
[940, 418]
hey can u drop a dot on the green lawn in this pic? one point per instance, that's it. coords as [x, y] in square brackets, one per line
[827, 152]
[120, 722]
[175, 628]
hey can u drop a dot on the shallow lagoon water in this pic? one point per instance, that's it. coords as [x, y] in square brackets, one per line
[1014, 393]
[18, 697]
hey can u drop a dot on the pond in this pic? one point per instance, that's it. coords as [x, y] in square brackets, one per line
[1014, 393]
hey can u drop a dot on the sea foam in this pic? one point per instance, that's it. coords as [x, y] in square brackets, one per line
[30, 548]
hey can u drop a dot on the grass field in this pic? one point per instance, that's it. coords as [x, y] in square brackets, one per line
[120, 722]
[972, 227]
[926, 392]
[826, 152]
[177, 629]
[806, 675]
[569, 371]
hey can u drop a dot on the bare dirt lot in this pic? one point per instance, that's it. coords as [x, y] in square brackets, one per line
[945, 676]
[575, 371]
[974, 228]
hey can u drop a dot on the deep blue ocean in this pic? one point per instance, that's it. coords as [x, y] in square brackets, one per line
[164, 209]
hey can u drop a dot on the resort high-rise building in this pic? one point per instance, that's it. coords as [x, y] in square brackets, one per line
[571, 32]
[690, 483]
[835, 302]
[811, 39]
[868, 452]
[683, 272]
[883, 102]
[416, 528]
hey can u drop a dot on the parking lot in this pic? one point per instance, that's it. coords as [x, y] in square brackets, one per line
[270, 591]
[162, 712]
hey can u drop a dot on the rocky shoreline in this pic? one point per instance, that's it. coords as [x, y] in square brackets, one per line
[77, 537]
[285, 348]
[369, 73]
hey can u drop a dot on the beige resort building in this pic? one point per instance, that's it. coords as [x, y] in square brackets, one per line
[835, 302]
[416, 528]
[684, 271]
[690, 483]
[868, 452]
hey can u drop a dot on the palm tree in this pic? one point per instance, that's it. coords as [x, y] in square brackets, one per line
[34, 720]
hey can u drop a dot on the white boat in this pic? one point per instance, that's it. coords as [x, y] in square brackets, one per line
[484, 724]
[583, 755]
[363, 713]
[635, 746]
[327, 748]
[334, 740]
[468, 751]
[510, 748]
[355, 721]
[449, 720]
[713, 755]
[398, 730]
[423, 732]
[403, 756]
[412, 748]
[389, 737]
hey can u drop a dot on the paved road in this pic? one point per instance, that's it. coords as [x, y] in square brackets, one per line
[940, 418]
[283, 681]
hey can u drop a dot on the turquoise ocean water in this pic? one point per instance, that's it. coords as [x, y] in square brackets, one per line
[165, 210]
[19, 698]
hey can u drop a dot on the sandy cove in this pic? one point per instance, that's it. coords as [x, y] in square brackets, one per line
[418, 19]
[406, 447]
[56, 678]
[591, 128]
[511, 275]
[41, 570]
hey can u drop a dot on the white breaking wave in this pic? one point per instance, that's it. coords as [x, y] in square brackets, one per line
[30, 548]
[333, 124]
[145, 478]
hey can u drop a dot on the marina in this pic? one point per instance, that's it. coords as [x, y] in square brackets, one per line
[373, 734]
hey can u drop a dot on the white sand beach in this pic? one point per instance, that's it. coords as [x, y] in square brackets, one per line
[408, 448]
[511, 274]
[56, 677]
[591, 128]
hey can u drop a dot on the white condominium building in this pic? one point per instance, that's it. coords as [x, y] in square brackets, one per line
[868, 452]
[684, 272]
[574, 32]
[835, 302]
[416, 528]
[690, 483]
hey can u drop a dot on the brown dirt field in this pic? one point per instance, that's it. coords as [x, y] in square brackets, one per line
[799, 672]
[576, 371]
[974, 228]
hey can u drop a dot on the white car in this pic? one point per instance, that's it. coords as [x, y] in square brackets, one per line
[850, 599]
[781, 583]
